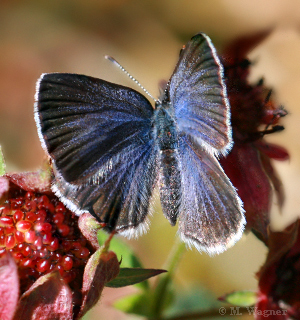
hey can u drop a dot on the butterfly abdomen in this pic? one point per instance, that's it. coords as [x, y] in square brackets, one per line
[166, 137]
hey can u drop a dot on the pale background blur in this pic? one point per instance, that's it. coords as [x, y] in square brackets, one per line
[145, 37]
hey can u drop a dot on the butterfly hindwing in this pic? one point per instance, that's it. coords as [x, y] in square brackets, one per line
[98, 135]
[211, 215]
[122, 200]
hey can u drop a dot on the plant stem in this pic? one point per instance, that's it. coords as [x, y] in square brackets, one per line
[161, 289]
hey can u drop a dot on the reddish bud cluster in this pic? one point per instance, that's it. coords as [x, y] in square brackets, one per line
[42, 236]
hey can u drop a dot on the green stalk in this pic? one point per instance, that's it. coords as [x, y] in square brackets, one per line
[160, 294]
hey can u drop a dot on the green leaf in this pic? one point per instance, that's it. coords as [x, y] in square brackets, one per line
[137, 303]
[124, 253]
[2, 163]
[195, 298]
[130, 276]
[244, 298]
[122, 249]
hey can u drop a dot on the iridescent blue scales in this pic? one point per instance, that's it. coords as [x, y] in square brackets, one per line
[110, 148]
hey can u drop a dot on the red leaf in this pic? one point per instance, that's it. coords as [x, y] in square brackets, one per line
[4, 186]
[102, 267]
[273, 151]
[238, 49]
[9, 287]
[244, 168]
[279, 243]
[49, 298]
[89, 227]
[38, 181]
[272, 174]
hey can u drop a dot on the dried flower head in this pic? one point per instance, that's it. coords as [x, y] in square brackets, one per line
[253, 115]
[279, 277]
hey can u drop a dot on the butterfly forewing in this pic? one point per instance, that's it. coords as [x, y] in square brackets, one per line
[86, 122]
[198, 94]
[98, 135]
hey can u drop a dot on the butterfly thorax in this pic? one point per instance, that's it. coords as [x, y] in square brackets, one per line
[165, 128]
[166, 139]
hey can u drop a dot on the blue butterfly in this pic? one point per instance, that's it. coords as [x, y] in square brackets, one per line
[110, 148]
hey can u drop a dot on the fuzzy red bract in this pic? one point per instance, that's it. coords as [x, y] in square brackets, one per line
[253, 114]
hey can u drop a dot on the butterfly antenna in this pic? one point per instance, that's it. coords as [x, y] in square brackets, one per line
[130, 76]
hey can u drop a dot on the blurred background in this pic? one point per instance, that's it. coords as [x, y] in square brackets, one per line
[145, 37]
